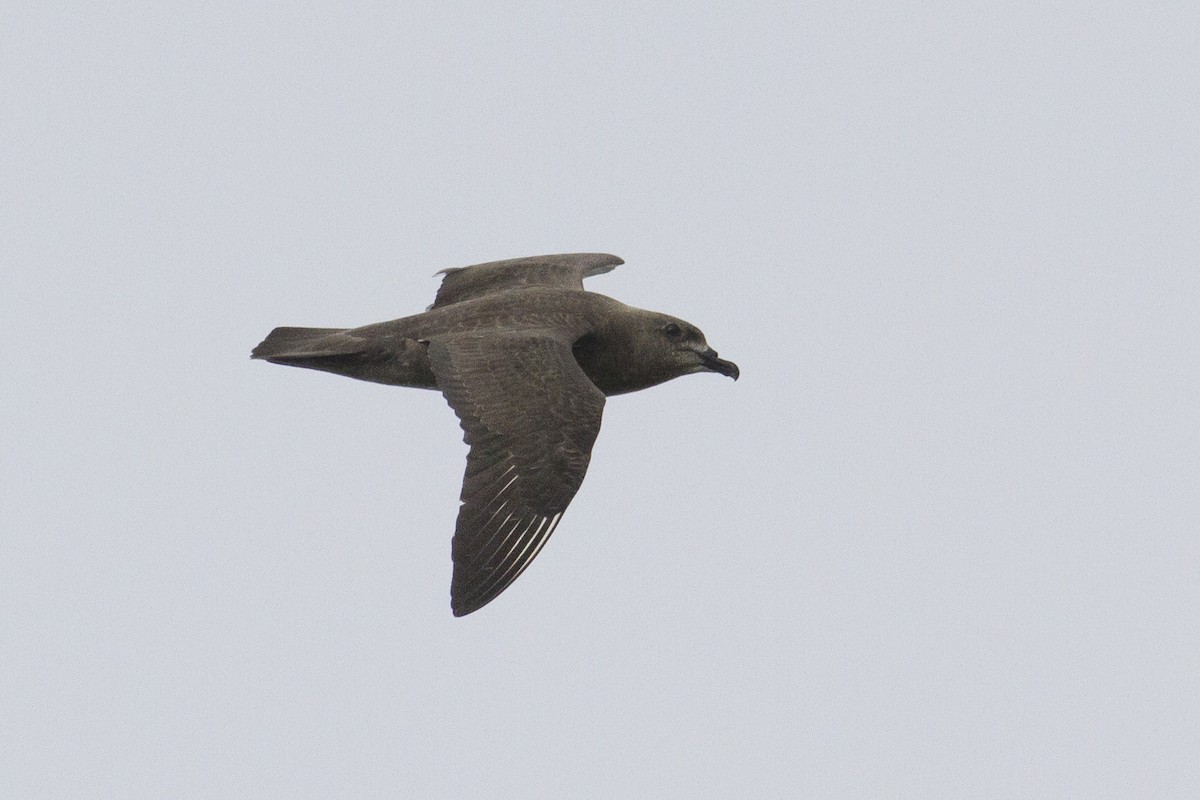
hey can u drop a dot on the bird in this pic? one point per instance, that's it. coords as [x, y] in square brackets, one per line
[525, 357]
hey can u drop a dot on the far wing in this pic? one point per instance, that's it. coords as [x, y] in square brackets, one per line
[563, 271]
[530, 416]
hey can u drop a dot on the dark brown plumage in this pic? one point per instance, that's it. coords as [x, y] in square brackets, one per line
[525, 357]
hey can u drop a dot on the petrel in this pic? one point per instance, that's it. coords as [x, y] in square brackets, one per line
[525, 357]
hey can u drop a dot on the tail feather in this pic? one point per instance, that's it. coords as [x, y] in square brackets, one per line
[285, 343]
[397, 361]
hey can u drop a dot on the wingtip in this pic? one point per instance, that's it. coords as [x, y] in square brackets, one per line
[605, 262]
[459, 609]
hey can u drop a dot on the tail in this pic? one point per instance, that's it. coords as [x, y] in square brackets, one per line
[286, 345]
[396, 361]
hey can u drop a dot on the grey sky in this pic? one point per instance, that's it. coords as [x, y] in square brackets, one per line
[939, 541]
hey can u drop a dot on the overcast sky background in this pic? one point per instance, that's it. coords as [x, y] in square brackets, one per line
[941, 540]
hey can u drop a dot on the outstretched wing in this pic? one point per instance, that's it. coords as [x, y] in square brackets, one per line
[530, 416]
[563, 271]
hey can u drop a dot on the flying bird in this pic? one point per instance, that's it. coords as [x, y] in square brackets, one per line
[525, 357]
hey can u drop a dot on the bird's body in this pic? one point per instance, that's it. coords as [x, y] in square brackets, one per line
[390, 352]
[525, 357]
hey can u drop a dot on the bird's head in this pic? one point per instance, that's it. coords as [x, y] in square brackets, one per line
[680, 347]
[647, 348]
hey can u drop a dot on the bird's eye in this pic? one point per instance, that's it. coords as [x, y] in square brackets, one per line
[673, 331]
